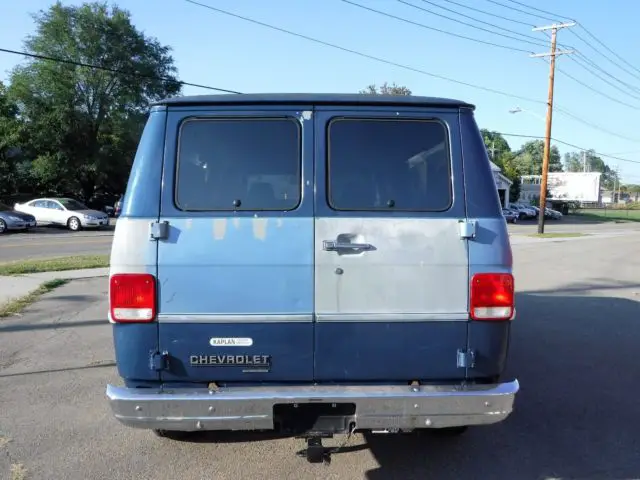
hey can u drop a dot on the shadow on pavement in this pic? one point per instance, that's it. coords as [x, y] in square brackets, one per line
[576, 415]
[58, 370]
[50, 326]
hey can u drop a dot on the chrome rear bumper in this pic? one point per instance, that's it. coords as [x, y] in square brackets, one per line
[251, 408]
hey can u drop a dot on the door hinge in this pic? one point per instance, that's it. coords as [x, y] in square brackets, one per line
[466, 358]
[159, 230]
[467, 228]
[159, 361]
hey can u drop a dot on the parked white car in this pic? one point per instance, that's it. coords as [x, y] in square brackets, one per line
[63, 211]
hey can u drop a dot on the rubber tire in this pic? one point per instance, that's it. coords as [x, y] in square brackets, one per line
[3, 226]
[172, 434]
[69, 222]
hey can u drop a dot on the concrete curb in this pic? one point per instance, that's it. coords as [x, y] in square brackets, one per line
[18, 286]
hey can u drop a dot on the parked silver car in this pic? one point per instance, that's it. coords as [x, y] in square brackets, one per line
[12, 220]
[63, 211]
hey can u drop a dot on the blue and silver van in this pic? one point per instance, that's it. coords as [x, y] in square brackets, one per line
[311, 263]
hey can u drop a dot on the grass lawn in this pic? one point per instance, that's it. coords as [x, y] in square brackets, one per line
[54, 264]
[611, 215]
[16, 305]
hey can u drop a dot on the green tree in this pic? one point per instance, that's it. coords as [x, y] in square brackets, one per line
[386, 89]
[574, 162]
[10, 175]
[500, 154]
[84, 123]
[528, 160]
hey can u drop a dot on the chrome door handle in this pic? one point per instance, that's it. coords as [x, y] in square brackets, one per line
[332, 246]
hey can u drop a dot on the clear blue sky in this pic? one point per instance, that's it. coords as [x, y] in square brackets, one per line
[215, 49]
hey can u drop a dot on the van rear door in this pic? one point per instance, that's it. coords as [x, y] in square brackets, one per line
[235, 272]
[391, 278]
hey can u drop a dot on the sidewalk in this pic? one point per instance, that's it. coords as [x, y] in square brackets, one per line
[17, 286]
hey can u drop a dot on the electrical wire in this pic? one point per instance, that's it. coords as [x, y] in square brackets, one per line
[365, 55]
[422, 25]
[535, 41]
[522, 11]
[580, 62]
[113, 70]
[581, 26]
[537, 137]
[537, 9]
[491, 14]
[388, 62]
[604, 55]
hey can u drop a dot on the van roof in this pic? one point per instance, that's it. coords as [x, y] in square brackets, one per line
[315, 99]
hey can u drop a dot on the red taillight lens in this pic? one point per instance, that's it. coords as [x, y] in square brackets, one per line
[492, 296]
[132, 297]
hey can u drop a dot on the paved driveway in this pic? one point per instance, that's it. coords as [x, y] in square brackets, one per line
[574, 349]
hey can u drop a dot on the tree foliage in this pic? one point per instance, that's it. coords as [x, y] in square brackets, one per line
[500, 154]
[528, 159]
[386, 89]
[80, 125]
[576, 162]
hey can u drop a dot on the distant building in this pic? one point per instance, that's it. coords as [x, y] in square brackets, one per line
[503, 184]
[583, 187]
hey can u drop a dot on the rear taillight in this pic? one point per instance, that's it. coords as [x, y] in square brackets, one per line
[492, 296]
[132, 297]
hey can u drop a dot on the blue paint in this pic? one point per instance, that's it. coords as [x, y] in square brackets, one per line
[239, 274]
[317, 99]
[479, 185]
[388, 351]
[269, 269]
[142, 198]
[133, 345]
[490, 340]
[289, 344]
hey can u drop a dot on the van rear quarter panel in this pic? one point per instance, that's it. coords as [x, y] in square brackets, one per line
[490, 251]
[133, 252]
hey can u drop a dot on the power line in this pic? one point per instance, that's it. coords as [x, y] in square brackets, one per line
[595, 126]
[611, 51]
[365, 55]
[525, 12]
[577, 147]
[534, 42]
[491, 14]
[598, 67]
[422, 25]
[588, 68]
[113, 70]
[607, 57]
[538, 10]
[383, 60]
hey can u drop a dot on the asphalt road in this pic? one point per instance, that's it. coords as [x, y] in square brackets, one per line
[574, 350]
[58, 242]
[54, 242]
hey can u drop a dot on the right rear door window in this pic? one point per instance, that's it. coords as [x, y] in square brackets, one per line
[379, 164]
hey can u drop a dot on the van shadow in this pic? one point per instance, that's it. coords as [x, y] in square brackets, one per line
[576, 414]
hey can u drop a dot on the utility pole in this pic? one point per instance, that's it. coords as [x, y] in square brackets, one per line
[584, 161]
[547, 138]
